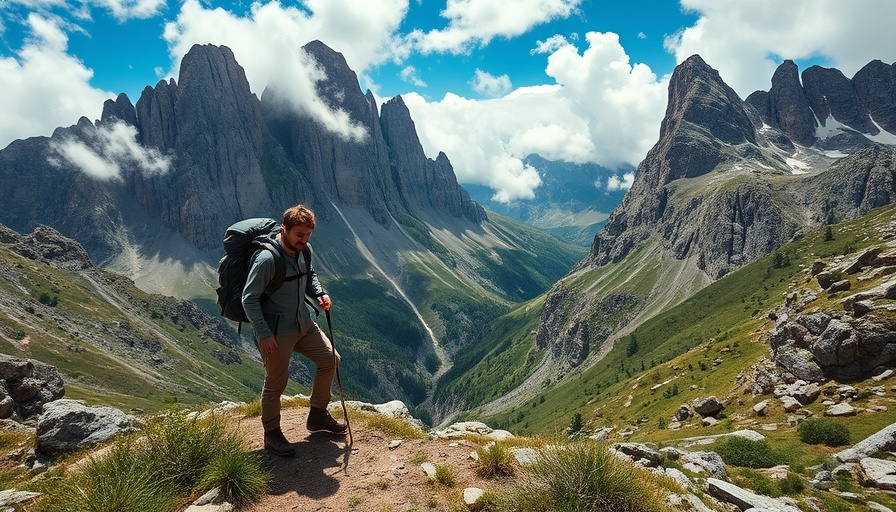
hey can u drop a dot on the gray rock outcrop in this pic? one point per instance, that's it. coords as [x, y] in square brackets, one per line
[882, 440]
[878, 473]
[708, 406]
[744, 499]
[26, 385]
[699, 461]
[818, 346]
[66, 425]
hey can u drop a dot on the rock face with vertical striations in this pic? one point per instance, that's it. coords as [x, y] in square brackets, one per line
[727, 182]
[706, 127]
[435, 188]
[229, 155]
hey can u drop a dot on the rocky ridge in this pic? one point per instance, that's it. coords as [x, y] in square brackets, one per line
[728, 181]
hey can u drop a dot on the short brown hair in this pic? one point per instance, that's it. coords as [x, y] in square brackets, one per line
[298, 215]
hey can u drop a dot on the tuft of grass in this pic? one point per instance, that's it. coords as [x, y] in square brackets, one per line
[392, 427]
[585, 476]
[249, 410]
[445, 476]
[10, 440]
[418, 458]
[239, 476]
[823, 431]
[119, 481]
[293, 402]
[759, 482]
[494, 460]
[178, 448]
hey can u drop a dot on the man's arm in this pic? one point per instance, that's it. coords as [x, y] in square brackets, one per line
[313, 288]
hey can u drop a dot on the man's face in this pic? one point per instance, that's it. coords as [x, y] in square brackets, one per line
[295, 238]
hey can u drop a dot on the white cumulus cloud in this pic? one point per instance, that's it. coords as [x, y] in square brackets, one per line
[108, 152]
[619, 183]
[601, 109]
[121, 10]
[409, 74]
[43, 86]
[474, 23]
[489, 85]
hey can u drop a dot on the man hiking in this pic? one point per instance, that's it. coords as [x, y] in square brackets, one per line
[283, 325]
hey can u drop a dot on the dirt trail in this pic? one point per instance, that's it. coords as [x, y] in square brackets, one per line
[327, 476]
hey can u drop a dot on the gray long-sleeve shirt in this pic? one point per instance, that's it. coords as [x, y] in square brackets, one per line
[284, 311]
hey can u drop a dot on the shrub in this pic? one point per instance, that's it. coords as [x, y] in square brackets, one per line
[792, 484]
[739, 451]
[823, 431]
[760, 482]
[178, 448]
[493, 460]
[175, 457]
[585, 476]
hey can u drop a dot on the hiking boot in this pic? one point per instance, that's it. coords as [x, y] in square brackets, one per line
[320, 419]
[276, 443]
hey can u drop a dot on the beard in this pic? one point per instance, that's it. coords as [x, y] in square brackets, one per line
[290, 248]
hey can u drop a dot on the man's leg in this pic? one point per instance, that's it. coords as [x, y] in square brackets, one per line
[276, 376]
[315, 345]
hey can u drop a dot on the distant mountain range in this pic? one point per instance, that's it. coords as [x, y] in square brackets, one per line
[572, 203]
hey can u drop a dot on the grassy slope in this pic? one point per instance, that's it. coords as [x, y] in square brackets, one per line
[171, 362]
[705, 342]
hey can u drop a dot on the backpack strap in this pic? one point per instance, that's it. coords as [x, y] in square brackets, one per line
[279, 265]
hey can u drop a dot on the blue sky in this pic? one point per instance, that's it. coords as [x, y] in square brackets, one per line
[487, 81]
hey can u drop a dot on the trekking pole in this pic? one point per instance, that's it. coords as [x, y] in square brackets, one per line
[348, 425]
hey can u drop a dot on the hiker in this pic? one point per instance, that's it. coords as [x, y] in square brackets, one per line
[283, 325]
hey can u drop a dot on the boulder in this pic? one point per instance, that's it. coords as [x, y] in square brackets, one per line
[743, 499]
[825, 279]
[840, 286]
[790, 404]
[11, 497]
[639, 452]
[861, 261]
[26, 385]
[878, 473]
[804, 392]
[799, 362]
[472, 495]
[699, 462]
[68, 425]
[840, 410]
[709, 406]
[466, 428]
[886, 290]
[761, 408]
[882, 440]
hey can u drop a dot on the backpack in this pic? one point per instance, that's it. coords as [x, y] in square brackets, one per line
[241, 241]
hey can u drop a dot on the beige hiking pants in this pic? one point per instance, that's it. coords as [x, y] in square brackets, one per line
[312, 344]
